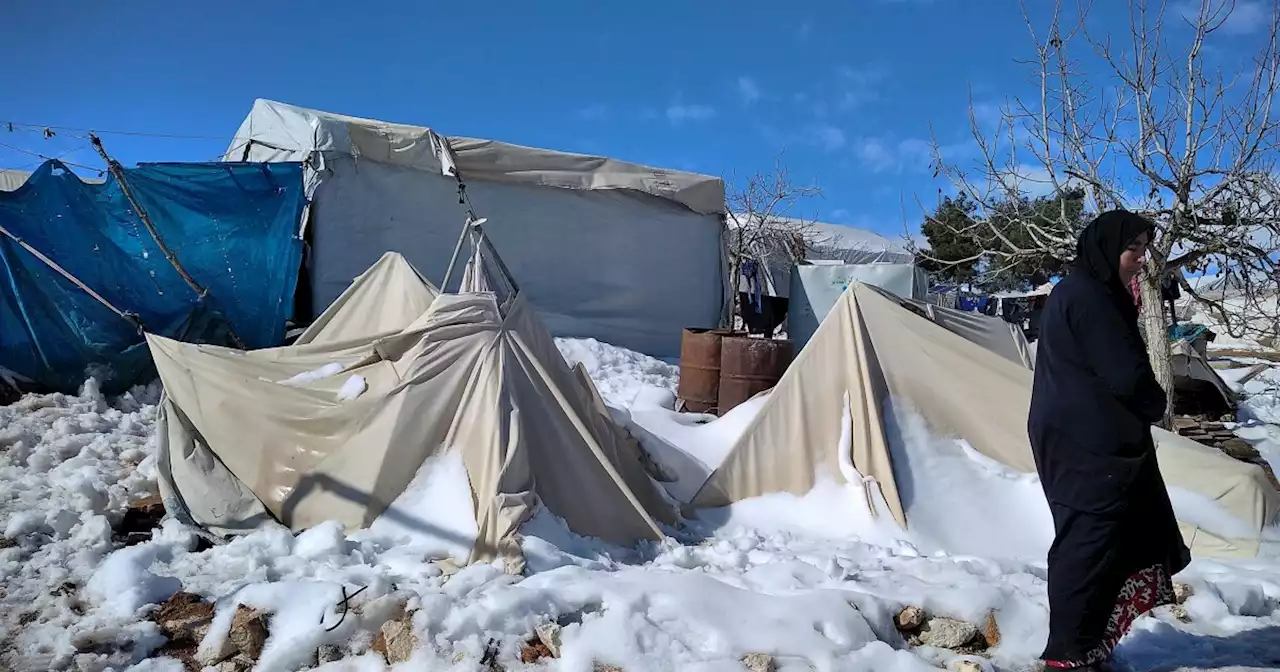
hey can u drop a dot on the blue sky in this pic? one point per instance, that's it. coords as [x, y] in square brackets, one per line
[850, 89]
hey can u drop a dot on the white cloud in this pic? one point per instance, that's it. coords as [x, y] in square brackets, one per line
[593, 112]
[885, 155]
[678, 113]
[829, 138]
[1247, 16]
[858, 86]
[749, 90]
[1029, 180]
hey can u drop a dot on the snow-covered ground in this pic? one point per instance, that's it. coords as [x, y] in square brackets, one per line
[812, 581]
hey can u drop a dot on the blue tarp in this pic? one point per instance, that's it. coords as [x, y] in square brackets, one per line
[234, 227]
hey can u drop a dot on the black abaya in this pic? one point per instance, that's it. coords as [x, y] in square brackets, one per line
[1116, 543]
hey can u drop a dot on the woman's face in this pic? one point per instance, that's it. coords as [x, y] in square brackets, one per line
[1133, 257]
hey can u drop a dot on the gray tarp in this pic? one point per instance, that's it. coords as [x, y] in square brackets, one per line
[606, 249]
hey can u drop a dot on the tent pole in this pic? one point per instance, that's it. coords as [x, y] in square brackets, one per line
[130, 317]
[497, 258]
[118, 172]
[453, 261]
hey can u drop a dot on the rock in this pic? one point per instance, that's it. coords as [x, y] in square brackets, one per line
[1181, 592]
[139, 520]
[759, 662]
[396, 640]
[534, 650]
[991, 631]
[1182, 423]
[909, 619]
[248, 632]
[184, 617]
[947, 633]
[328, 653]
[1180, 613]
[549, 635]
[966, 666]
[1240, 449]
[601, 667]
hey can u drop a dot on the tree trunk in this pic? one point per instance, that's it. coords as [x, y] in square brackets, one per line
[1155, 327]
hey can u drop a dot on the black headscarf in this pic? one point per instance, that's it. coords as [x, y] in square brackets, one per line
[1100, 246]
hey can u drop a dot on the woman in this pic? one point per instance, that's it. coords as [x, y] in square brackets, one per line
[1116, 544]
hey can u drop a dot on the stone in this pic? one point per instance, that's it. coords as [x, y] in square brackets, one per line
[1182, 423]
[142, 516]
[991, 631]
[947, 633]
[966, 666]
[185, 616]
[1181, 592]
[909, 619]
[601, 667]
[248, 632]
[328, 653]
[759, 662]
[534, 650]
[549, 635]
[1180, 613]
[396, 640]
[1240, 449]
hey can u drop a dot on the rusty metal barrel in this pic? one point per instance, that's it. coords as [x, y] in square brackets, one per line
[699, 386]
[749, 366]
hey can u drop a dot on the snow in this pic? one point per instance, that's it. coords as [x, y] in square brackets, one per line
[435, 515]
[619, 374]
[352, 388]
[306, 377]
[813, 580]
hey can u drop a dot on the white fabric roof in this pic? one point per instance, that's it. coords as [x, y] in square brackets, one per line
[281, 132]
[846, 243]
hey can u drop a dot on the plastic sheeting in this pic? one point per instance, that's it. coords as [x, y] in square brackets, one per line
[606, 249]
[234, 227]
[815, 288]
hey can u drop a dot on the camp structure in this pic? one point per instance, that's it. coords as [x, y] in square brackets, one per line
[394, 376]
[817, 285]
[606, 249]
[872, 349]
[197, 252]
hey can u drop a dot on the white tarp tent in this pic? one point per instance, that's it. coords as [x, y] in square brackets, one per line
[606, 249]
[815, 288]
[872, 351]
[824, 242]
[336, 428]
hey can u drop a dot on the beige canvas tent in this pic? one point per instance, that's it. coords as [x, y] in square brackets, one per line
[250, 437]
[874, 348]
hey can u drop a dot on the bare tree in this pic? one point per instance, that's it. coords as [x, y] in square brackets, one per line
[1146, 121]
[763, 224]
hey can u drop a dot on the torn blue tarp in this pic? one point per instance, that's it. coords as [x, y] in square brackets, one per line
[81, 276]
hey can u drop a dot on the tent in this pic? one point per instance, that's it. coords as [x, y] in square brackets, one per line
[816, 286]
[393, 374]
[874, 349]
[216, 259]
[611, 250]
[832, 243]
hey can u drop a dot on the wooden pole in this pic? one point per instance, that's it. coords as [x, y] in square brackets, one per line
[117, 171]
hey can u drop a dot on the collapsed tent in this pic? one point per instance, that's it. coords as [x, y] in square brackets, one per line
[611, 250]
[874, 350]
[336, 427]
[215, 259]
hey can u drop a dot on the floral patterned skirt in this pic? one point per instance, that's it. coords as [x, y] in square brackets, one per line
[1141, 592]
